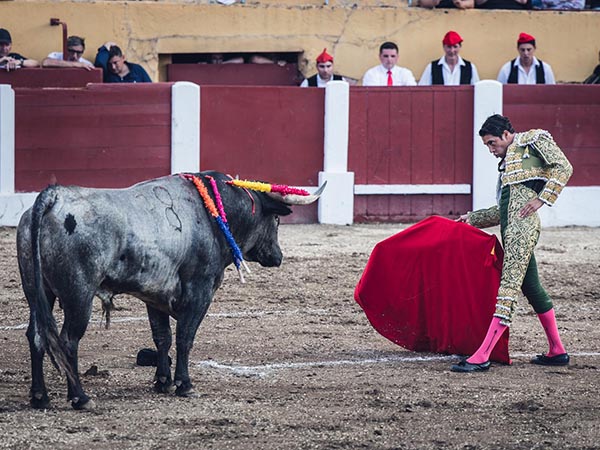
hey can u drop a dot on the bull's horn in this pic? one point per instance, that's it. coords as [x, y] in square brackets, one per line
[294, 199]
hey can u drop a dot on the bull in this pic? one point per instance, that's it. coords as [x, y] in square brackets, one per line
[155, 241]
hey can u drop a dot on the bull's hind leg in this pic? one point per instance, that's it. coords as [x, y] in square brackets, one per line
[78, 310]
[161, 334]
[187, 324]
[38, 394]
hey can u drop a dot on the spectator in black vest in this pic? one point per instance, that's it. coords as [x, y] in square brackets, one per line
[450, 69]
[594, 78]
[526, 69]
[10, 60]
[325, 72]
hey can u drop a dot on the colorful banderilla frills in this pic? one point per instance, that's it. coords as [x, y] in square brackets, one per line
[218, 213]
[267, 187]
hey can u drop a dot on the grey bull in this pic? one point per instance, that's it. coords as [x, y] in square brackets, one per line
[155, 241]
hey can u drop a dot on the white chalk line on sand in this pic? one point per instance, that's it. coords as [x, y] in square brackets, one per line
[237, 314]
[264, 369]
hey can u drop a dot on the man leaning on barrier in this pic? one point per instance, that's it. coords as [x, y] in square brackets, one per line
[10, 60]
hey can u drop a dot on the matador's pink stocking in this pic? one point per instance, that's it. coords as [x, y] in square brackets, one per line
[548, 321]
[491, 339]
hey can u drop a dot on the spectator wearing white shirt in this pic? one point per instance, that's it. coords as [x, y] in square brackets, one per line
[75, 49]
[324, 72]
[450, 69]
[526, 69]
[388, 73]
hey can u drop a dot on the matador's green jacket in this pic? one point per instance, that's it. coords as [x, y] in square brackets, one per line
[533, 155]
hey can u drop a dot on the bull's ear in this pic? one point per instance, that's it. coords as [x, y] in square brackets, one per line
[273, 206]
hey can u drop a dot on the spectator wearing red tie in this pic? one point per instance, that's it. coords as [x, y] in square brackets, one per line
[450, 69]
[388, 73]
[526, 69]
[325, 72]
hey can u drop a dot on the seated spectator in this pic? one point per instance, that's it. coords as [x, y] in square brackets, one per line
[388, 73]
[324, 72]
[503, 4]
[219, 58]
[75, 49]
[559, 4]
[594, 78]
[450, 69]
[10, 60]
[460, 4]
[267, 59]
[115, 67]
[526, 69]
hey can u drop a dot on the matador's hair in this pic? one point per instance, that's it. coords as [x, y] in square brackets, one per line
[496, 125]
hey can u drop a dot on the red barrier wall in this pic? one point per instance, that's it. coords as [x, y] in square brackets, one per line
[571, 113]
[38, 77]
[100, 136]
[235, 74]
[273, 134]
[421, 135]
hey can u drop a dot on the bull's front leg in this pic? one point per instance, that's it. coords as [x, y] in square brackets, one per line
[161, 335]
[196, 303]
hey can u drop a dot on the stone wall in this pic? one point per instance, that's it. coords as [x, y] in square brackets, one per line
[150, 32]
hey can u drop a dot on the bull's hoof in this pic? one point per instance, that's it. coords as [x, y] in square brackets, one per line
[164, 388]
[186, 390]
[40, 400]
[83, 404]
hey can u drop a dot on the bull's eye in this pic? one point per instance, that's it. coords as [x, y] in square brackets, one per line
[277, 220]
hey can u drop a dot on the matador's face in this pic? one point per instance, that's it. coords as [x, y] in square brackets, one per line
[498, 145]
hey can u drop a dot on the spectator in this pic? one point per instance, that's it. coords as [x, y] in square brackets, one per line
[325, 72]
[9, 60]
[526, 69]
[559, 4]
[219, 58]
[450, 69]
[388, 73]
[460, 4]
[116, 69]
[75, 49]
[267, 59]
[594, 78]
[503, 4]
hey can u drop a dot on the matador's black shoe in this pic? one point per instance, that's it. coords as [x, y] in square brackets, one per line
[557, 360]
[464, 366]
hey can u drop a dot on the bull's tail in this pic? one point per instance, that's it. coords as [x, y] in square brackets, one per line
[46, 330]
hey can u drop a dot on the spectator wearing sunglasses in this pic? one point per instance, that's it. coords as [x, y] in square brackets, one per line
[75, 50]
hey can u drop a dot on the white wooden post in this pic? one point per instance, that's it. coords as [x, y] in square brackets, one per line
[185, 127]
[7, 139]
[487, 102]
[336, 205]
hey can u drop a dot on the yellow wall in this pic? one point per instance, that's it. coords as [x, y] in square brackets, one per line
[569, 41]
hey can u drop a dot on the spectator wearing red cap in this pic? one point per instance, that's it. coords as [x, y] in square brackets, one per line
[388, 73]
[526, 69]
[10, 60]
[450, 69]
[325, 72]
[503, 4]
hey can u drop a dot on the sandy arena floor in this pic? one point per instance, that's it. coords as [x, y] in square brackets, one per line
[289, 361]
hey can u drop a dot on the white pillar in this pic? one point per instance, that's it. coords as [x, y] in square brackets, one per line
[487, 102]
[185, 127]
[7, 139]
[336, 205]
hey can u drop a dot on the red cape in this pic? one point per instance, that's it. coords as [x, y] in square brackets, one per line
[433, 287]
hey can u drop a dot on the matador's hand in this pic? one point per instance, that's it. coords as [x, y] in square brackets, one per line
[530, 207]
